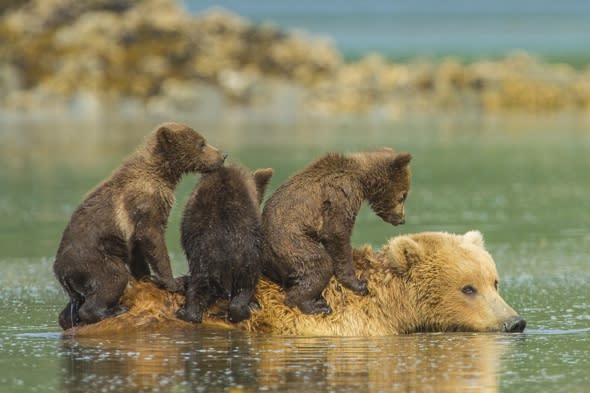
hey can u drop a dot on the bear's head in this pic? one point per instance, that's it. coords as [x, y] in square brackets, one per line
[387, 183]
[183, 150]
[453, 281]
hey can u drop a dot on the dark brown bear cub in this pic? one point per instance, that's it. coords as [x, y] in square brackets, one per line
[119, 227]
[221, 236]
[307, 222]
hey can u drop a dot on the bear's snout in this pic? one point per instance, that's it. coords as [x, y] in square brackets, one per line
[396, 220]
[515, 325]
[393, 219]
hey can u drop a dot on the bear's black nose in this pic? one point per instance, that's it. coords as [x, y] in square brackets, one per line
[515, 324]
[224, 156]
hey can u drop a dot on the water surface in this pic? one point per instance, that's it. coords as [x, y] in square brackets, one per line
[523, 182]
[409, 29]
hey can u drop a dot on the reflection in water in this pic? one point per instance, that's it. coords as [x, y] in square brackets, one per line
[404, 363]
[204, 362]
[518, 180]
[211, 361]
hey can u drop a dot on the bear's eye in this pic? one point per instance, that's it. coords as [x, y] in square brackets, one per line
[469, 290]
[202, 145]
[403, 197]
[496, 285]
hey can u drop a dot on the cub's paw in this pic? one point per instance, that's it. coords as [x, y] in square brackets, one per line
[69, 317]
[254, 305]
[315, 306]
[238, 312]
[194, 317]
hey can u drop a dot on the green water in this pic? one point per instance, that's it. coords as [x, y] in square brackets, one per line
[523, 182]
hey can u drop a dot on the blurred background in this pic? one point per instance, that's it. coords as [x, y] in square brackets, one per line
[492, 99]
[408, 29]
[383, 58]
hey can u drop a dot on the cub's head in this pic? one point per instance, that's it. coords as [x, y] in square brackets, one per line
[185, 150]
[387, 183]
[236, 180]
[454, 282]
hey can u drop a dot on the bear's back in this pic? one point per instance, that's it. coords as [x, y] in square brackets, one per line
[307, 186]
[332, 165]
[222, 213]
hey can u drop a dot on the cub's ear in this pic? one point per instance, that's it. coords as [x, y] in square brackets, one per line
[164, 134]
[261, 178]
[474, 237]
[401, 253]
[401, 160]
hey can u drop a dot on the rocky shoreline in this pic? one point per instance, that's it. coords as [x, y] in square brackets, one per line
[152, 56]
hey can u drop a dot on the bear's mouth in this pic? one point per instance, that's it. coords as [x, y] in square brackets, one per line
[513, 325]
[391, 219]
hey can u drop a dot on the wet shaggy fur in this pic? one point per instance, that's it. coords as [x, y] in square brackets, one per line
[118, 229]
[308, 221]
[222, 240]
[417, 284]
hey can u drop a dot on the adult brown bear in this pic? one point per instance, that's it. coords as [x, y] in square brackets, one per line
[427, 282]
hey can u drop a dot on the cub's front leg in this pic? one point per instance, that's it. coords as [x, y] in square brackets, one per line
[153, 247]
[339, 248]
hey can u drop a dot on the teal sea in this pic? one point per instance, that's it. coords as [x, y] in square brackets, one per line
[398, 29]
[521, 181]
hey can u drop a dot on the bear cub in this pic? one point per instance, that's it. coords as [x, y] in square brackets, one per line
[119, 228]
[222, 239]
[307, 222]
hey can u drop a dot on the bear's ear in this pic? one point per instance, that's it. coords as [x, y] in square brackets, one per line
[400, 161]
[403, 252]
[261, 178]
[164, 135]
[474, 237]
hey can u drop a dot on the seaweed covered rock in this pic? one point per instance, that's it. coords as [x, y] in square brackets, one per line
[61, 52]
[131, 48]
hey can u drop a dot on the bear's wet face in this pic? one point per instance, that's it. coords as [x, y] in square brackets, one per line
[479, 306]
[457, 284]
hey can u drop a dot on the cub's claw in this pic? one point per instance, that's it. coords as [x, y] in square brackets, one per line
[315, 306]
[360, 287]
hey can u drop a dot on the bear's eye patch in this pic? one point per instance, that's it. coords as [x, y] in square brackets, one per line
[469, 290]
[202, 144]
